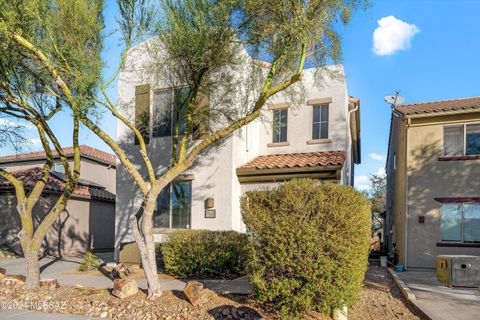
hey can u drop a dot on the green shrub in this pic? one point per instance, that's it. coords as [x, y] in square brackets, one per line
[309, 245]
[89, 261]
[188, 253]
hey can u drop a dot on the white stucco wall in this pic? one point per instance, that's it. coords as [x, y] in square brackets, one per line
[214, 174]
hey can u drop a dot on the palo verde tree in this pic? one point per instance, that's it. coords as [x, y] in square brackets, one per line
[34, 92]
[198, 49]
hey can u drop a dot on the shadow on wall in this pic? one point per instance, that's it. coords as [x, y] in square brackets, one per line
[429, 178]
[130, 199]
[65, 237]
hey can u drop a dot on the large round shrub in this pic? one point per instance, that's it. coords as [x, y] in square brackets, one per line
[203, 253]
[310, 245]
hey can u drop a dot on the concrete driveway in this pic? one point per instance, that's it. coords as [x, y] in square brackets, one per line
[440, 302]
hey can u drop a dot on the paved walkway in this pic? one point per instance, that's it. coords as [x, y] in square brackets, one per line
[58, 269]
[438, 301]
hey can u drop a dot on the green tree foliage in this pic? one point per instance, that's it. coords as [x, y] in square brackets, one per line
[310, 245]
[204, 253]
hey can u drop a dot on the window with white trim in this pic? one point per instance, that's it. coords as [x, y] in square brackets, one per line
[461, 222]
[461, 140]
[279, 125]
[320, 122]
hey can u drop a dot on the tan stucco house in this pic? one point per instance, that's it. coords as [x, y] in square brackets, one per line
[316, 135]
[433, 185]
[89, 218]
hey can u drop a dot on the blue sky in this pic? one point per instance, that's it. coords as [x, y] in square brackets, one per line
[441, 62]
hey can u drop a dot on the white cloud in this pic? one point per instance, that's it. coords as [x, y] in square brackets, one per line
[392, 35]
[381, 171]
[10, 123]
[35, 141]
[376, 156]
[362, 183]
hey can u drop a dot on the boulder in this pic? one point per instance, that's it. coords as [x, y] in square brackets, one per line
[2, 273]
[49, 283]
[124, 288]
[13, 279]
[195, 293]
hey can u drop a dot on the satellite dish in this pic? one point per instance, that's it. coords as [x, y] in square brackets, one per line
[394, 100]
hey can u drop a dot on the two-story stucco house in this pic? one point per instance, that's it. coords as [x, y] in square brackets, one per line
[433, 190]
[89, 217]
[317, 136]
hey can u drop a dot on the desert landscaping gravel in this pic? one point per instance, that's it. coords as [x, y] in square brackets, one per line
[380, 299]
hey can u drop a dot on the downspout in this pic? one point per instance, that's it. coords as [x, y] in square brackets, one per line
[349, 141]
[406, 195]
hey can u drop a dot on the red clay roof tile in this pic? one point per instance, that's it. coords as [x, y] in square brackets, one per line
[439, 106]
[297, 160]
[85, 151]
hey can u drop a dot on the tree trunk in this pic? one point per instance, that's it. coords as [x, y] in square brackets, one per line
[146, 246]
[32, 268]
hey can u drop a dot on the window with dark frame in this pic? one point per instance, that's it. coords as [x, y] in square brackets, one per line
[320, 122]
[460, 222]
[174, 206]
[170, 106]
[58, 167]
[280, 124]
[461, 140]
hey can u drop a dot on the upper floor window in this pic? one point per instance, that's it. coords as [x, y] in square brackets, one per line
[169, 111]
[461, 222]
[320, 122]
[460, 140]
[279, 128]
[174, 206]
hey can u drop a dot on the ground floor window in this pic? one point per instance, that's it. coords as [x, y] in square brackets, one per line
[174, 206]
[461, 222]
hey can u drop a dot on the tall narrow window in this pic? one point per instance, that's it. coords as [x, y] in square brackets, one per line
[320, 122]
[169, 112]
[453, 141]
[280, 121]
[473, 139]
[162, 113]
[142, 111]
[174, 206]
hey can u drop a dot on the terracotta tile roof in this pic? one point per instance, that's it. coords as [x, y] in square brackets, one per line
[85, 151]
[55, 184]
[297, 160]
[440, 106]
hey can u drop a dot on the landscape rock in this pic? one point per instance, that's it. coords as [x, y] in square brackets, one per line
[49, 283]
[2, 272]
[13, 279]
[195, 293]
[124, 288]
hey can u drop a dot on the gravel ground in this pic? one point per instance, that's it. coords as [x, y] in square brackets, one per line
[380, 299]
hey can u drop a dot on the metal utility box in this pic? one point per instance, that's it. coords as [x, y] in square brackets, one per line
[458, 270]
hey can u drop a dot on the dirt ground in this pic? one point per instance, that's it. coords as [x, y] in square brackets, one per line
[379, 299]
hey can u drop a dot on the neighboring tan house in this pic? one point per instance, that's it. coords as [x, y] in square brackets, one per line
[89, 219]
[433, 185]
[317, 136]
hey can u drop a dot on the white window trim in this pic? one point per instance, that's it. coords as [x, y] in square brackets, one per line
[462, 223]
[464, 153]
[320, 140]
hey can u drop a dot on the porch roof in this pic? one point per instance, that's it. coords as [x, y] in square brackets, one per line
[279, 167]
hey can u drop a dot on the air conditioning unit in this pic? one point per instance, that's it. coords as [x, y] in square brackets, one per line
[459, 270]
